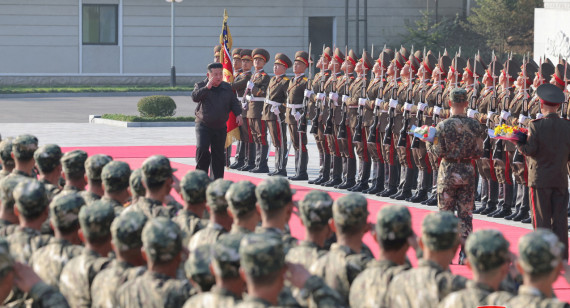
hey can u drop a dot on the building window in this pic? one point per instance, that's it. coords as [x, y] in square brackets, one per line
[100, 24]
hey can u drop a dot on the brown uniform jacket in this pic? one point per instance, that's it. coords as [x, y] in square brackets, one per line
[372, 94]
[342, 85]
[240, 82]
[355, 92]
[276, 93]
[295, 96]
[331, 85]
[261, 82]
[316, 87]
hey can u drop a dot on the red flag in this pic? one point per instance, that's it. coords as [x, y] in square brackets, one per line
[226, 60]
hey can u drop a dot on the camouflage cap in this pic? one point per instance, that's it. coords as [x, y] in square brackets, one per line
[487, 250]
[135, 183]
[193, 186]
[24, 147]
[393, 222]
[94, 165]
[95, 220]
[261, 255]
[225, 255]
[64, 210]
[48, 157]
[458, 95]
[30, 197]
[540, 252]
[115, 176]
[6, 260]
[350, 210]
[73, 162]
[316, 208]
[199, 261]
[126, 230]
[6, 152]
[216, 194]
[241, 198]
[440, 230]
[274, 193]
[7, 186]
[156, 169]
[162, 239]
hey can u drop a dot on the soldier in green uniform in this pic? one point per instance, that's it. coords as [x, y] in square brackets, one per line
[273, 112]
[245, 155]
[6, 159]
[237, 67]
[115, 180]
[197, 269]
[8, 219]
[190, 217]
[23, 148]
[241, 206]
[47, 159]
[73, 165]
[217, 50]
[93, 167]
[126, 233]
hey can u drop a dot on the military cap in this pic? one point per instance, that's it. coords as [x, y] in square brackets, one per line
[6, 259]
[528, 71]
[7, 186]
[236, 53]
[533, 63]
[480, 67]
[260, 53]
[366, 60]
[350, 210]
[547, 60]
[6, 152]
[261, 254]
[282, 59]
[135, 183]
[225, 255]
[384, 59]
[156, 169]
[497, 66]
[459, 64]
[399, 60]
[246, 54]
[444, 63]
[429, 53]
[115, 176]
[440, 230]
[487, 250]
[274, 193]
[338, 55]
[513, 67]
[64, 210]
[126, 230]
[30, 197]
[327, 53]
[95, 220]
[429, 63]
[94, 165]
[216, 195]
[445, 53]
[73, 162]
[419, 55]
[316, 208]
[303, 57]
[24, 147]
[199, 261]
[162, 239]
[405, 53]
[352, 57]
[414, 64]
[393, 222]
[217, 50]
[193, 186]
[241, 198]
[559, 74]
[390, 53]
[458, 95]
[540, 252]
[550, 94]
[48, 157]
[546, 70]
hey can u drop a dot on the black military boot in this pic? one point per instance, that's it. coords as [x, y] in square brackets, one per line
[524, 212]
[250, 158]
[321, 168]
[358, 176]
[301, 168]
[336, 176]
[527, 220]
[350, 174]
[364, 176]
[498, 209]
[343, 173]
[408, 183]
[377, 180]
[491, 207]
[262, 167]
[515, 213]
[421, 196]
[432, 201]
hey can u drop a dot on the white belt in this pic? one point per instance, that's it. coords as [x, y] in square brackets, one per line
[294, 106]
[257, 99]
[351, 107]
[272, 103]
[240, 98]
[293, 110]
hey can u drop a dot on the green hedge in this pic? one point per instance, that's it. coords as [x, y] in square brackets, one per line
[156, 106]
[132, 118]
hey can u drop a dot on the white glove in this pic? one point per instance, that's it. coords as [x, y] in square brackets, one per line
[320, 96]
[422, 106]
[522, 118]
[490, 113]
[344, 98]
[539, 116]
[408, 106]
[333, 96]
[308, 93]
[248, 97]
[244, 106]
[275, 110]
[362, 101]
[379, 102]
[471, 113]
[505, 115]
[393, 103]
[297, 116]
[436, 110]
[250, 85]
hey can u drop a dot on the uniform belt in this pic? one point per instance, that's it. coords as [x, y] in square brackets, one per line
[352, 107]
[272, 103]
[257, 99]
[294, 106]
[458, 161]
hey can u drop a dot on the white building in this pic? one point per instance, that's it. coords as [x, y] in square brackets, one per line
[552, 30]
[129, 41]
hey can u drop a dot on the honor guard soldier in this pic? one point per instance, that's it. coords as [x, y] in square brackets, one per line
[217, 51]
[257, 89]
[245, 154]
[316, 102]
[237, 64]
[295, 110]
[273, 113]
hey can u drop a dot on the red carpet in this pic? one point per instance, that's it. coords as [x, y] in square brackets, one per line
[512, 234]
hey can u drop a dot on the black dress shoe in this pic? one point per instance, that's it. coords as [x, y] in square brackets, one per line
[394, 196]
[505, 211]
[360, 187]
[260, 170]
[282, 173]
[419, 197]
[302, 177]
[523, 214]
[387, 192]
[514, 214]
[346, 185]
[316, 180]
[488, 210]
[246, 167]
[480, 209]
[413, 196]
[237, 165]
[405, 194]
[332, 182]
[526, 220]
[432, 202]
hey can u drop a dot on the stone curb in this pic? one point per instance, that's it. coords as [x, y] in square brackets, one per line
[96, 119]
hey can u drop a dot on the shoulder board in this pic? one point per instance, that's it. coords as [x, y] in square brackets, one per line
[305, 78]
[263, 74]
[352, 77]
[285, 78]
[247, 73]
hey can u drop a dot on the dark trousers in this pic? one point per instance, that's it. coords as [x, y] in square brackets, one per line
[549, 208]
[214, 138]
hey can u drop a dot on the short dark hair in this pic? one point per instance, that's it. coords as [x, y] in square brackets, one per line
[214, 65]
[392, 245]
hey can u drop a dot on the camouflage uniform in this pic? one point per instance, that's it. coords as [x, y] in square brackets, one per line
[7, 202]
[31, 200]
[241, 201]
[115, 178]
[48, 261]
[135, 184]
[197, 268]
[392, 223]
[216, 201]
[47, 158]
[126, 232]
[193, 186]
[261, 255]
[78, 274]
[73, 164]
[275, 193]
[93, 167]
[6, 157]
[458, 140]
[162, 242]
[341, 265]
[40, 295]
[487, 250]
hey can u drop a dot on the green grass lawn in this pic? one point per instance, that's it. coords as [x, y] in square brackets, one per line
[94, 89]
[133, 118]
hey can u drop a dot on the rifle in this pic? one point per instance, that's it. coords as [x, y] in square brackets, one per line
[518, 158]
[390, 127]
[474, 97]
[492, 107]
[564, 107]
[315, 120]
[420, 117]
[409, 100]
[342, 129]
[357, 137]
[329, 123]
[373, 136]
[499, 149]
[302, 125]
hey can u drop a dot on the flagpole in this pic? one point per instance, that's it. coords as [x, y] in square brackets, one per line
[172, 68]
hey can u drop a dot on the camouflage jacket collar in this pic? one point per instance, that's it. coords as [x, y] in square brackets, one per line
[533, 292]
[270, 229]
[91, 253]
[309, 244]
[22, 173]
[459, 116]
[215, 226]
[111, 200]
[239, 230]
[256, 302]
[68, 188]
[430, 263]
[28, 231]
[471, 284]
[347, 250]
[224, 292]
[152, 275]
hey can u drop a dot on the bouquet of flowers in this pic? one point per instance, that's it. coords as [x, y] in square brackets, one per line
[505, 132]
[425, 133]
